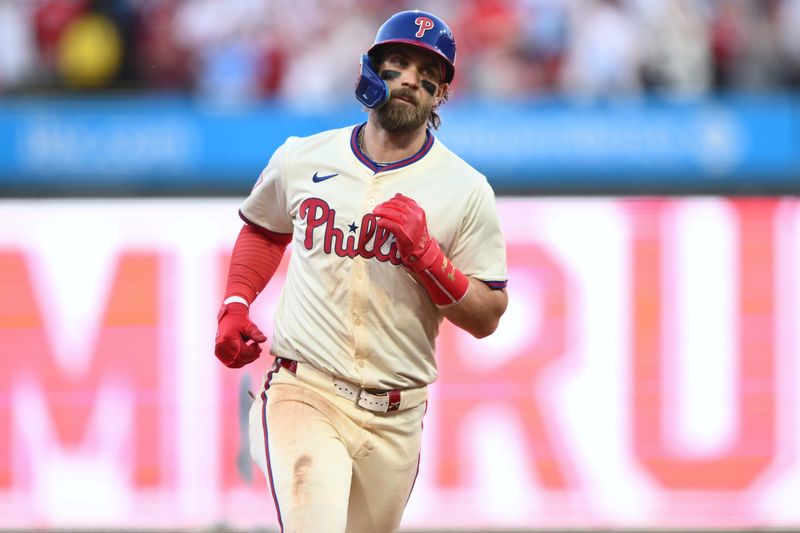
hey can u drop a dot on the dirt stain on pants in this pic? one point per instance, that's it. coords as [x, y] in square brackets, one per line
[299, 485]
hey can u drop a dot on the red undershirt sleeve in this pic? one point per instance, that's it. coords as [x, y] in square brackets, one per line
[255, 258]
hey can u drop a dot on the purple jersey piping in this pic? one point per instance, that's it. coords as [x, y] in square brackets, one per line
[374, 167]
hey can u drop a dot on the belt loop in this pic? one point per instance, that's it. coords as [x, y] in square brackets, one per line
[288, 364]
[394, 400]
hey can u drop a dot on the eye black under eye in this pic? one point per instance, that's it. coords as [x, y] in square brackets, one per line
[429, 86]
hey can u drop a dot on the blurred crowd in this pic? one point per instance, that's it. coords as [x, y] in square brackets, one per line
[306, 51]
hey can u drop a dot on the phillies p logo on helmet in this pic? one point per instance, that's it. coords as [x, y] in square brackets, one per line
[424, 24]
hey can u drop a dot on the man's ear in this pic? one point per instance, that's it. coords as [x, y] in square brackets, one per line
[441, 91]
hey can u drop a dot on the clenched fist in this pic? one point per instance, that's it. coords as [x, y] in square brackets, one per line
[237, 342]
[405, 219]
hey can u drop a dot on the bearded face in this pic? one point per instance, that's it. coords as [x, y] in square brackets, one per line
[409, 106]
[404, 112]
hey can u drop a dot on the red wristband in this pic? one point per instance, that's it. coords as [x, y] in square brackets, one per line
[445, 283]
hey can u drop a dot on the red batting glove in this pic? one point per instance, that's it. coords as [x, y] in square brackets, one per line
[237, 342]
[405, 219]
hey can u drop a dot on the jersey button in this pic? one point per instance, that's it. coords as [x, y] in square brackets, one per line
[371, 202]
[361, 363]
[357, 321]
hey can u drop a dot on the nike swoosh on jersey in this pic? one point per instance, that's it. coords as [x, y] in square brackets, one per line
[317, 179]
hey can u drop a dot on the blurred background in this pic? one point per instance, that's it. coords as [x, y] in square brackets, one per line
[646, 159]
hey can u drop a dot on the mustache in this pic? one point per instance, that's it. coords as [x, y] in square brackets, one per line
[405, 94]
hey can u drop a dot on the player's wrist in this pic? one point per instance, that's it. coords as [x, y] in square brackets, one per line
[235, 299]
[235, 309]
[443, 281]
[420, 260]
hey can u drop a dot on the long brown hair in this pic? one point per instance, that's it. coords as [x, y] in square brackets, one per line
[434, 121]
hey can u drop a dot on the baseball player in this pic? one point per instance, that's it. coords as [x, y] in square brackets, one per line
[391, 233]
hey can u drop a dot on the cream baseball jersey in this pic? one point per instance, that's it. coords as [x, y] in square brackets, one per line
[348, 305]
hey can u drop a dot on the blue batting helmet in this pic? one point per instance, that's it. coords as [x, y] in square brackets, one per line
[416, 28]
[421, 29]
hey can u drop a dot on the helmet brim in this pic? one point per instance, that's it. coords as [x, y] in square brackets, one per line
[449, 68]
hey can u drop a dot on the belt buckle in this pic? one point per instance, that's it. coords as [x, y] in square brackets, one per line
[385, 401]
[372, 402]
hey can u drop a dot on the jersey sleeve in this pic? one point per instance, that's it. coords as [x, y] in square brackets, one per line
[479, 250]
[267, 205]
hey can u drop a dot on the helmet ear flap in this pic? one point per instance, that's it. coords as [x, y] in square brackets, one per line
[371, 90]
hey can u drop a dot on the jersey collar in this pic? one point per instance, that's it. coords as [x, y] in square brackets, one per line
[375, 167]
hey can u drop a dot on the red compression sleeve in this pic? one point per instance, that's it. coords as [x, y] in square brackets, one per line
[255, 258]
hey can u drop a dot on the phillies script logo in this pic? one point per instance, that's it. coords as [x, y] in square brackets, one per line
[424, 24]
[318, 214]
